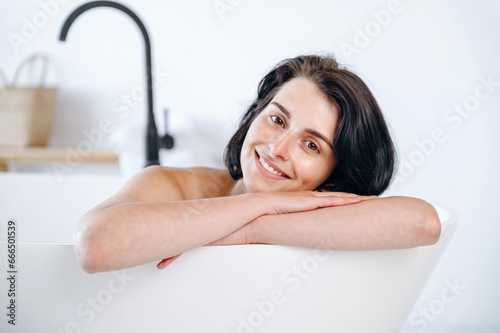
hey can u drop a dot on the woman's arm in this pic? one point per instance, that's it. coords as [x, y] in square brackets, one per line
[153, 218]
[375, 224]
[384, 223]
[149, 220]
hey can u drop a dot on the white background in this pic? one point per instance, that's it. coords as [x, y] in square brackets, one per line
[422, 61]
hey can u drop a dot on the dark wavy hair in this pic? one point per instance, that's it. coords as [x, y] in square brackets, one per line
[364, 152]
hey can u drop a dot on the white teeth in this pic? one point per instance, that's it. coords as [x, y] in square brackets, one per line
[269, 168]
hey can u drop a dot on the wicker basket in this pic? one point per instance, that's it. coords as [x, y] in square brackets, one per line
[26, 113]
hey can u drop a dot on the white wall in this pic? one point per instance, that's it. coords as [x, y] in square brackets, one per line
[431, 58]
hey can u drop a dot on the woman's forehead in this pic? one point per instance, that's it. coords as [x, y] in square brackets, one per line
[304, 92]
[304, 102]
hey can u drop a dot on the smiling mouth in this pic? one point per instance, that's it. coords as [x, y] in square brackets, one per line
[269, 168]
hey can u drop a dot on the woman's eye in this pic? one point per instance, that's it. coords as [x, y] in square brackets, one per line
[312, 146]
[277, 120]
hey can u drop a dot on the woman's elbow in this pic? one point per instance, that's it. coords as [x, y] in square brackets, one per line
[429, 225]
[90, 248]
[88, 257]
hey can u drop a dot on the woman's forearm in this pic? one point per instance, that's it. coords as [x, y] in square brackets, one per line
[130, 234]
[384, 223]
[124, 233]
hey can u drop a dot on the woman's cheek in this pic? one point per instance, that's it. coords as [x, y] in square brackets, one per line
[318, 172]
[266, 134]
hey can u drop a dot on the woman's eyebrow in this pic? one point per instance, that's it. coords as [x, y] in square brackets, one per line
[282, 108]
[319, 136]
[307, 130]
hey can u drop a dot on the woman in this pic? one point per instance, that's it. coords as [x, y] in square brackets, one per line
[304, 169]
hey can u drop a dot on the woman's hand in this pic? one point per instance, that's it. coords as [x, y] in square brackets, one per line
[312, 201]
[318, 199]
[165, 262]
[293, 202]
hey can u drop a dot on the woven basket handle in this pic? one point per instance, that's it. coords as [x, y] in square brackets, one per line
[29, 59]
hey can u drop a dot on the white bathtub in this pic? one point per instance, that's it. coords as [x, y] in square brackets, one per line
[250, 288]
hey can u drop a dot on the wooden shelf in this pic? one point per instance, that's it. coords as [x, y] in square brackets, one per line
[50, 154]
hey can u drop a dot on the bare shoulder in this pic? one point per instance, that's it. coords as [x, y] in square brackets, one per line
[201, 183]
[159, 183]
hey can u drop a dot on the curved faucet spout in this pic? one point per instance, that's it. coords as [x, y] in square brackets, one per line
[152, 157]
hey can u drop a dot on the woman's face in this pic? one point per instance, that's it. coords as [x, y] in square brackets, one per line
[289, 145]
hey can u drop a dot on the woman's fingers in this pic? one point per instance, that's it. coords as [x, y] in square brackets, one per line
[338, 194]
[348, 199]
[291, 202]
[340, 201]
[165, 262]
[345, 195]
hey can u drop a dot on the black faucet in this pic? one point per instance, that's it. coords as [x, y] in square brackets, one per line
[153, 141]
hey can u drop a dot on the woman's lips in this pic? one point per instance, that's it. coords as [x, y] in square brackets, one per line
[267, 172]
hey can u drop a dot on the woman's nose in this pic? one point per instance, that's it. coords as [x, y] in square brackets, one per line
[280, 148]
